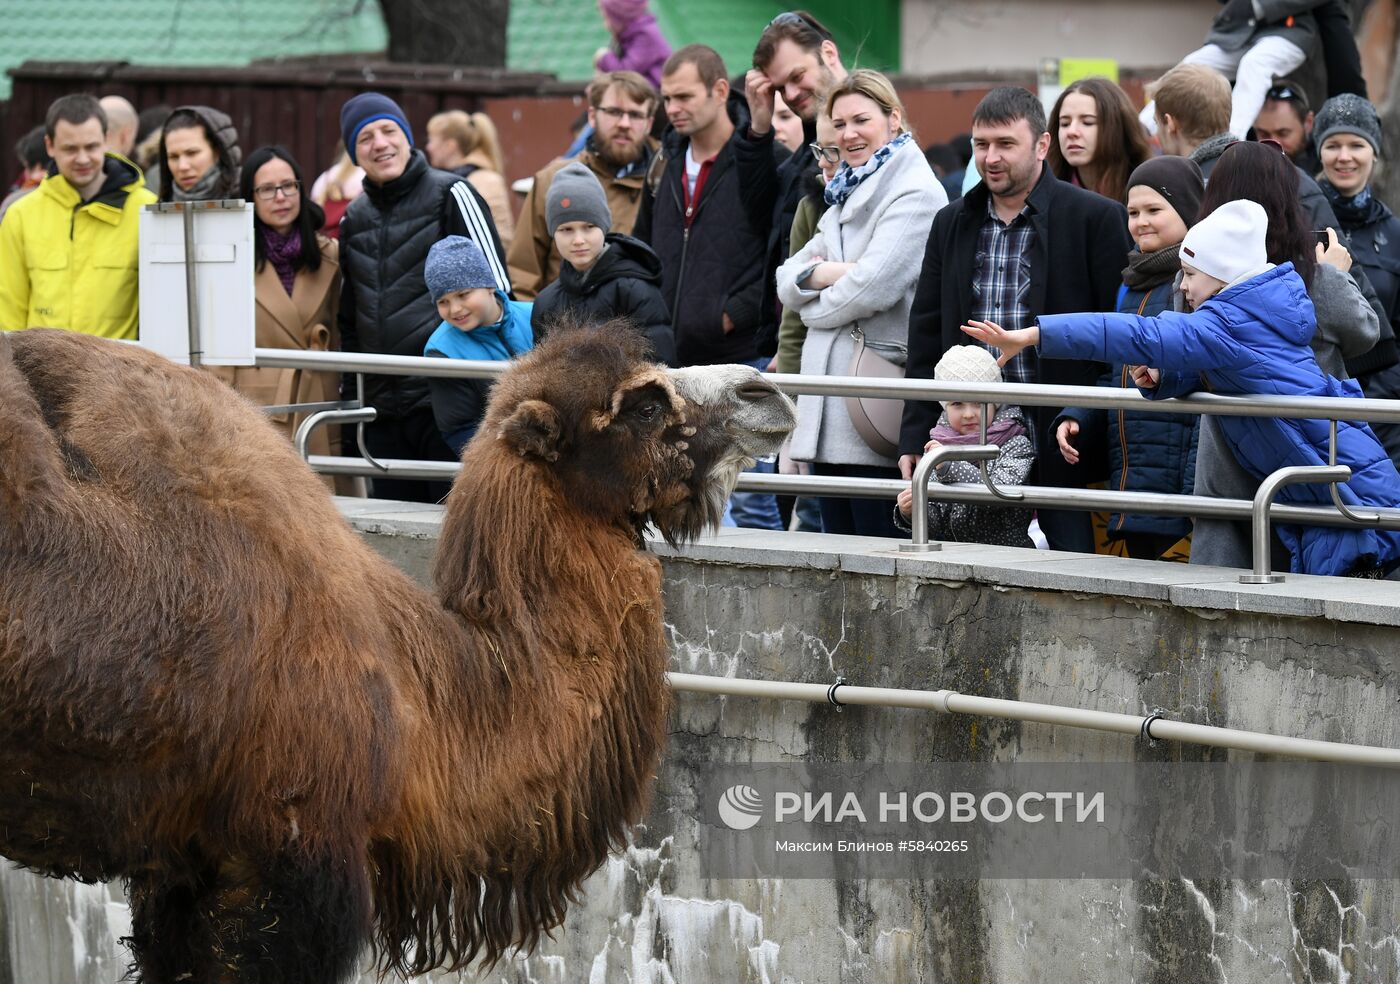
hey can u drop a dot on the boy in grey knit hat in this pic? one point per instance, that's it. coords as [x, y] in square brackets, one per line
[605, 276]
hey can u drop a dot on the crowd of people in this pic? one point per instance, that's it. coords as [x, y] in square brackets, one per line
[789, 219]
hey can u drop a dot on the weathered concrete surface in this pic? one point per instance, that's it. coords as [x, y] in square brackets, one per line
[1312, 657]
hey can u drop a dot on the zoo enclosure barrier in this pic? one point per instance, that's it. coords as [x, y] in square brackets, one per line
[1152, 727]
[1260, 511]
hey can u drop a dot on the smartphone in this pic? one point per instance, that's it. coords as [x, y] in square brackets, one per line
[1321, 235]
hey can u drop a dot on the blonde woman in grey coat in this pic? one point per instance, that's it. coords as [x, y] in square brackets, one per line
[858, 273]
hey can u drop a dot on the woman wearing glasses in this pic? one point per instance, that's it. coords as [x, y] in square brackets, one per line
[857, 275]
[296, 287]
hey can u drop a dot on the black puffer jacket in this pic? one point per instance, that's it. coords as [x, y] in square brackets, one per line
[715, 269]
[624, 283]
[384, 238]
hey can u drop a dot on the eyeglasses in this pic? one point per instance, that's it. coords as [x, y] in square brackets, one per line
[832, 155]
[287, 189]
[793, 17]
[617, 114]
[1273, 145]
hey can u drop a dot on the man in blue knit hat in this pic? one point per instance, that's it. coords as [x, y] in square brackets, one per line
[385, 307]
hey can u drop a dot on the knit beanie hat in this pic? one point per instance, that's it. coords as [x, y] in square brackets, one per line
[623, 12]
[575, 195]
[1228, 244]
[967, 364]
[361, 110]
[1177, 179]
[1348, 113]
[456, 263]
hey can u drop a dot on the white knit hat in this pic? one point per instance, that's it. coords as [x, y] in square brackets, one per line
[1228, 244]
[967, 364]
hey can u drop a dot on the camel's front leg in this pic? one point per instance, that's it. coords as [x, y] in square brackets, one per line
[283, 921]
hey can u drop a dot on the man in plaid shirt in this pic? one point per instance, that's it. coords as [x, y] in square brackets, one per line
[1019, 245]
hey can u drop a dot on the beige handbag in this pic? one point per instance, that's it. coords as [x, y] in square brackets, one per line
[876, 421]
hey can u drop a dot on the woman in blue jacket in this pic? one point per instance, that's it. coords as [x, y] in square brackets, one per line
[1250, 333]
[1147, 452]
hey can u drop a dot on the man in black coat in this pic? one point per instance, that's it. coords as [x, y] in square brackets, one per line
[1019, 245]
[693, 217]
[385, 307]
[796, 56]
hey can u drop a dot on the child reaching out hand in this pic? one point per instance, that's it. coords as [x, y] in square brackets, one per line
[1248, 333]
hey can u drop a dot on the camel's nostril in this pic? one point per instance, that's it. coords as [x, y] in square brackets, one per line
[759, 389]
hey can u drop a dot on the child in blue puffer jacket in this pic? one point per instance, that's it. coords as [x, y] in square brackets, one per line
[1249, 333]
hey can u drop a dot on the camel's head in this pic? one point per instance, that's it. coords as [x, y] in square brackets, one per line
[633, 442]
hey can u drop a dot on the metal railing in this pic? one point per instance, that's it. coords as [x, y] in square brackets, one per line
[1259, 511]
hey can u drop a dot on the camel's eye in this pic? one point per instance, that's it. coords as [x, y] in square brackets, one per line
[649, 411]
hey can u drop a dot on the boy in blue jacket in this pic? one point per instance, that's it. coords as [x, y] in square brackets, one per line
[478, 322]
[1248, 332]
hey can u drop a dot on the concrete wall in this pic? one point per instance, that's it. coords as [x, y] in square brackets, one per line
[1312, 658]
[1012, 36]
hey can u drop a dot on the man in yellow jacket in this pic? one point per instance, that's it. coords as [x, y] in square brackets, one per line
[68, 250]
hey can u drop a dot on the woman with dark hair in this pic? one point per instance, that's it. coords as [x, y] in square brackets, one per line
[199, 156]
[1347, 326]
[296, 290]
[1096, 138]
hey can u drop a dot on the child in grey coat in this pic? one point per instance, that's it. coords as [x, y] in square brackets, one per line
[961, 423]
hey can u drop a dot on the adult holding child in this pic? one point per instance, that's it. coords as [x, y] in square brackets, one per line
[1348, 136]
[856, 278]
[1097, 137]
[1249, 333]
[1147, 452]
[1346, 326]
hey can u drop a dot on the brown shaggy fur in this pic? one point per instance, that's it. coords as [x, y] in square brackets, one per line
[210, 688]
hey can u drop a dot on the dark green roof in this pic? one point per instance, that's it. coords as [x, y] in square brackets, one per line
[184, 32]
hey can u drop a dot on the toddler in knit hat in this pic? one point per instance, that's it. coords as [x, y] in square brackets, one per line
[961, 423]
[1249, 332]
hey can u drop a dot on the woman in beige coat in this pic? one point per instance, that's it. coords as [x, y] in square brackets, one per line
[297, 290]
[467, 144]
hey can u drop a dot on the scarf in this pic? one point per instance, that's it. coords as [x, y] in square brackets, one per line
[283, 252]
[848, 179]
[1212, 148]
[1147, 270]
[1356, 212]
[1004, 426]
[203, 189]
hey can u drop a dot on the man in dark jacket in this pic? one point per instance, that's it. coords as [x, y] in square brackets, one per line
[796, 56]
[1019, 245]
[385, 307]
[711, 253]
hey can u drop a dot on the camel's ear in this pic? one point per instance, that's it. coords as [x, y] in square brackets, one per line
[533, 429]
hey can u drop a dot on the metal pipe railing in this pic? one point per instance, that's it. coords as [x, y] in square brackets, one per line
[1094, 397]
[923, 475]
[1263, 502]
[1151, 726]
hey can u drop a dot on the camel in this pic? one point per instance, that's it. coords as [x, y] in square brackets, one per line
[290, 754]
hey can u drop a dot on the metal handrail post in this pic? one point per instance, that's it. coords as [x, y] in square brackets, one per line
[918, 519]
[1264, 500]
[302, 439]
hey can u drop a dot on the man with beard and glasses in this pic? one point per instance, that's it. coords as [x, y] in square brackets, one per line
[620, 110]
[1019, 245]
[795, 57]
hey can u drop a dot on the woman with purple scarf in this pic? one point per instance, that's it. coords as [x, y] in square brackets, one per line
[296, 290]
[961, 423]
